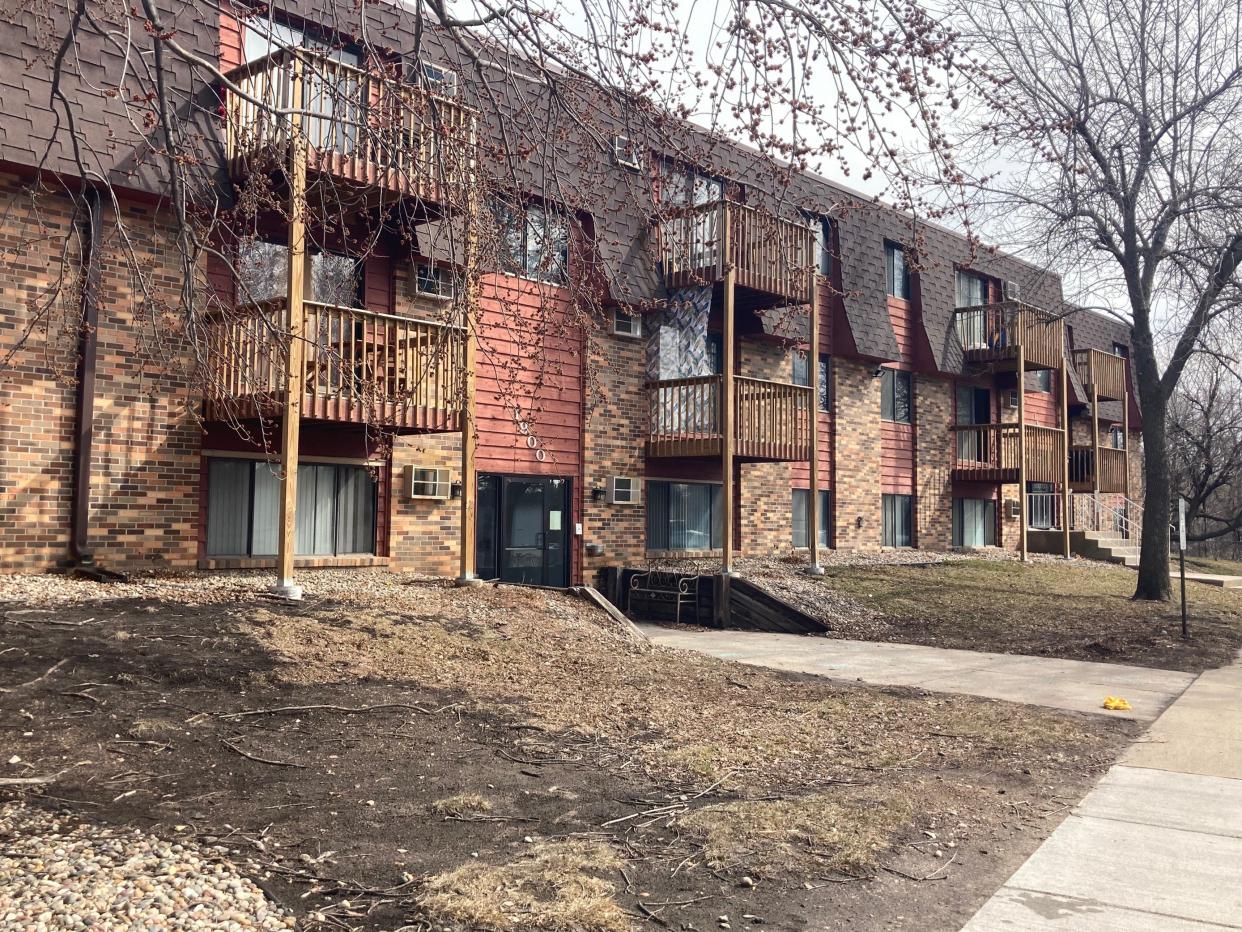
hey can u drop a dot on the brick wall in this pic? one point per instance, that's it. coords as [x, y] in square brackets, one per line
[426, 533]
[856, 414]
[145, 464]
[933, 463]
[616, 425]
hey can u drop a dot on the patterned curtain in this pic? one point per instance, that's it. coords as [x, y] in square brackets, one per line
[677, 348]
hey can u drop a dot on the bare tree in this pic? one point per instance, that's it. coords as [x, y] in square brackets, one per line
[1121, 124]
[1205, 446]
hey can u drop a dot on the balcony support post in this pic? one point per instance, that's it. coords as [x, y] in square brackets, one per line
[813, 422]
[1125, 439]
[298, 281]
[727, 427]
[468, 569]
[1023, 504]
[1095, 441]
[1066, 500]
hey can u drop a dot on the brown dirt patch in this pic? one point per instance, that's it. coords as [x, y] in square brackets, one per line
[339, 748]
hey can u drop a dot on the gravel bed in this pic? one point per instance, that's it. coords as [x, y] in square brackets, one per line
[57, 874]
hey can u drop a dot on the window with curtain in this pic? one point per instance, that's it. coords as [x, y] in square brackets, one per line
[974, 522]
[898, 516]
[336, 509]
[801, 517]
[263, 274]
[825, 393]
[801, 370]
[684, 516]
[801, 375]
[1117, 437]
[1043, 380]
[897, 396]
[971, 289]
[534, 242]
[821, 228]
[897, 271]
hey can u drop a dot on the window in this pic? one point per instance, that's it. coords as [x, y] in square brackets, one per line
[801, 371]
[715, 351]
[623, 490]
[1117, 437]
[971, 289]
[1120, 349]
[335, 509]
[534, 242]
[897, 396]
[974, 522]
[896, 271]
[684, 516]
[427, 482]
[626, 325]
[683, 186]
[1042, 505]
[263, 274]
[439, 79]
[801, 520]
[1043, 380]
[626, 152]
[821, 227]
[898, 520]
[431, 281]
[802, 375]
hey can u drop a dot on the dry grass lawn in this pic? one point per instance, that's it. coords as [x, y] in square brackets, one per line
[1076, 610]
[682, 717]
[555, 886]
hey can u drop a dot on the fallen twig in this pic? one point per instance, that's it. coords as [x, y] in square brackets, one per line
[38, 679]
[351, 710]
[28, 781]
[262, 760]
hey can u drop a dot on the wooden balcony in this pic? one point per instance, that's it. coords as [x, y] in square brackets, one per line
[772, 258]
[1112, 464]
[366, 131]
[989, 453]
[770, 419]
[992, 333]
[1104, 371]
[359, 367]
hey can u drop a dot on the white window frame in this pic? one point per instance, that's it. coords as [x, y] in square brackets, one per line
[444, 278]
[438, 79]
[437, 488]
[626, 152]
[633, 324]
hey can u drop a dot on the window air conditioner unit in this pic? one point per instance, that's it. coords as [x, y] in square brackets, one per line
[1012, 291]
[433, 282]
[422, 482]
[1012, 509]
[626, 152]
[623, 490]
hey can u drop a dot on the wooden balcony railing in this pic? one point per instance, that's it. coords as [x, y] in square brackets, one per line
[362, 127]
[990, 453]
[1112, 464]
[359, 366]
[1103, 370]
[770, 419]
[769, 255]
[992, 333]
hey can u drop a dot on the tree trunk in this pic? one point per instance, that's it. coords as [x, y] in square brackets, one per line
[1153, 577]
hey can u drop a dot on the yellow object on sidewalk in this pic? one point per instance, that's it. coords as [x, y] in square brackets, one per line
[1116, 704]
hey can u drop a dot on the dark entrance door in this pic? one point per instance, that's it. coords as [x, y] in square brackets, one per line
[523, 529]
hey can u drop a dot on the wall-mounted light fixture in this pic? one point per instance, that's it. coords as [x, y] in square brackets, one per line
[598, 495]
[879, 371]
[858, 522]
[455, 490]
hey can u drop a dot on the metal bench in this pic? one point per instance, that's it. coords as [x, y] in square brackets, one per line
[673, 588]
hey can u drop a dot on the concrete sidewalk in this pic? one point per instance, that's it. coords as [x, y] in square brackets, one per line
[1157, 845]
[1074, 685]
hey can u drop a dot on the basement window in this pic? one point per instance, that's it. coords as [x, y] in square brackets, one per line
[801, 520]
[336, 509]
[898, 514]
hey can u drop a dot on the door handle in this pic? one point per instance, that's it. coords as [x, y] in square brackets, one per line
[539, 540]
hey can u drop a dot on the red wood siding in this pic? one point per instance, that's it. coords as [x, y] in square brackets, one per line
[529, 356]
[1045, 407]
[902, 315]
[897, 458]
[230, 40]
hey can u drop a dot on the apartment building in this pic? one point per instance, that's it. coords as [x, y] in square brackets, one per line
[668, 351]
